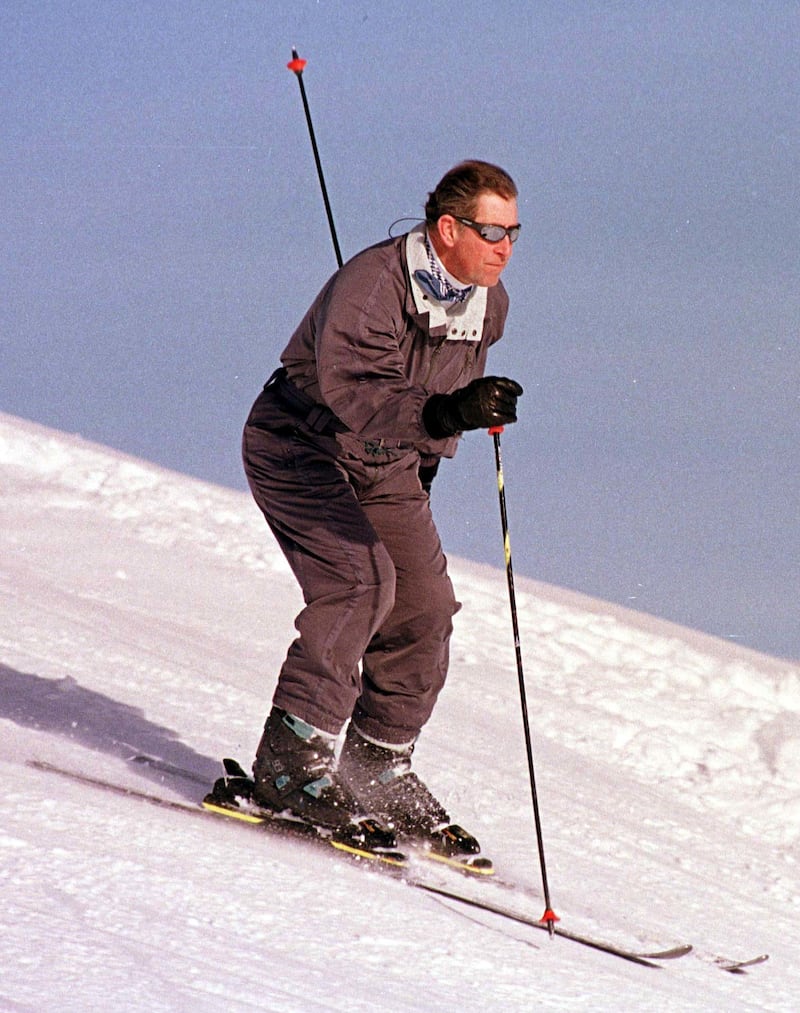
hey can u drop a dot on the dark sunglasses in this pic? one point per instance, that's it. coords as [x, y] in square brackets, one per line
[491, 233]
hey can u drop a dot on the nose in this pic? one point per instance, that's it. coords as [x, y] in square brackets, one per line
[506, 247]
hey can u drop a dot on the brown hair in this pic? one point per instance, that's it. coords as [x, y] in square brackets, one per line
[458, 190]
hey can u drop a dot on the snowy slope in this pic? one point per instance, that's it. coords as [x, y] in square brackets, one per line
[144, 611]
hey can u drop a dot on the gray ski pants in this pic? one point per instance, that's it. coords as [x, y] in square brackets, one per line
[374, 634]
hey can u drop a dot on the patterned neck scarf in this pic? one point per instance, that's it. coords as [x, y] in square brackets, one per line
[436, 283]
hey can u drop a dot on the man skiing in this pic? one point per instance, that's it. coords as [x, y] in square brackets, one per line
[377, 383]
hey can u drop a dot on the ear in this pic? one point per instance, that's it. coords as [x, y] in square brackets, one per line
[446, 231]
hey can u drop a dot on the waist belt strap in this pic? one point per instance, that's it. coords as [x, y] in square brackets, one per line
[318, 417]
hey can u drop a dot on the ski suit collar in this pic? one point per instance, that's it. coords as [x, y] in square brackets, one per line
[464, 320]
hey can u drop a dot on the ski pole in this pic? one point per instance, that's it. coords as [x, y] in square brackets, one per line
[549, 915]
[297, 65]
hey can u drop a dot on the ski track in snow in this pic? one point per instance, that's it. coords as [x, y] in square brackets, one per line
[148, 612]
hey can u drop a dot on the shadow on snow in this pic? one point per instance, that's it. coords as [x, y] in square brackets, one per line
[63, 707]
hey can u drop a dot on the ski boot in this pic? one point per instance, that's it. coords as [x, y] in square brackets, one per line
[379, 775]
[294, 776]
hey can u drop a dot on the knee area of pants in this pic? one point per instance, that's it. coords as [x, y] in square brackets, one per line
[437, 602]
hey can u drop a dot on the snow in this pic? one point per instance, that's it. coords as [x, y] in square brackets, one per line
[148, 612]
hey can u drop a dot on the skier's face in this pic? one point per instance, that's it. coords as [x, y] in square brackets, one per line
[469, 257]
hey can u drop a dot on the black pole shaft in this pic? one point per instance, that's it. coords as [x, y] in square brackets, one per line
[548, 917]
[297, 66]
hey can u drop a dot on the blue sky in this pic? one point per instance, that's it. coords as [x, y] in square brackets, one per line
[165, 233]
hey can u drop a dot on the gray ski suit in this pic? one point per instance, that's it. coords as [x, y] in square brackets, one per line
[332, 449]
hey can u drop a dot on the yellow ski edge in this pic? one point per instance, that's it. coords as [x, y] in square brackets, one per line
[349, 849]
[460, 864]
[222, 810]
[372, 856]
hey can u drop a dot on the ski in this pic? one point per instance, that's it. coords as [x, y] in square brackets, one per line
[282, 824]
[396, 863]
[453, 847]
[114, 788]
[291, 828]
[231, 797]
[165, 767]
[738, 966]
[647, 959]
[650, 958]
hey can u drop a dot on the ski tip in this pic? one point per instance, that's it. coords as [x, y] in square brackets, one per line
[740, 966]
[672, 953]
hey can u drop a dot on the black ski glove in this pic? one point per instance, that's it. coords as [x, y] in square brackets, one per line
[488, 401]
